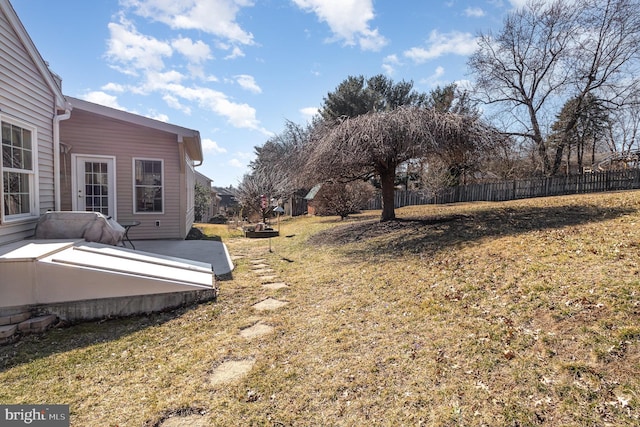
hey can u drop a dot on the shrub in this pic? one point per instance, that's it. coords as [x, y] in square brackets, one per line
[343, 199]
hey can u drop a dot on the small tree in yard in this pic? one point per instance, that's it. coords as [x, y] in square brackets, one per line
[202, 202]
[343, 199]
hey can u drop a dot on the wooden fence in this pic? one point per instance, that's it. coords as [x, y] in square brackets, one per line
[520, 189]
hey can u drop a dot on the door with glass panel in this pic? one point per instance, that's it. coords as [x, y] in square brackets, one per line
[95, 184]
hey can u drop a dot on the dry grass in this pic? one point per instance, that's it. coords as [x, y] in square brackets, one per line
[499, 314]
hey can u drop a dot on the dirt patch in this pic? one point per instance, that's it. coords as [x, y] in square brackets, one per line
[370, 229]
[183, 417]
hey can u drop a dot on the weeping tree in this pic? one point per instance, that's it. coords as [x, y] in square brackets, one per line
[376, 143]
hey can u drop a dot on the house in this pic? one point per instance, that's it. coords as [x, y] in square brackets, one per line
[206, 183]
[129, 167]
[31, 109]
[226, 202]
[61, 153]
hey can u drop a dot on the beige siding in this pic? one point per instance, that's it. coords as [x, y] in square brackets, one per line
[26, 97]
[93, 134]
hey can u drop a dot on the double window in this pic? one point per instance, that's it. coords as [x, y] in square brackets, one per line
[18, 172]
[148, 186]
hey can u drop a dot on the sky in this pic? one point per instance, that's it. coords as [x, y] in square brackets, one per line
[237, 70]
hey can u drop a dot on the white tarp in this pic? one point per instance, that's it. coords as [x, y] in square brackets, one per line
[90, 226]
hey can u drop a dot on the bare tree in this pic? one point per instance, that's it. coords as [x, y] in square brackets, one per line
[281, 159]
[277, 169]
[548, 53]
[376, 143]
[622, 134]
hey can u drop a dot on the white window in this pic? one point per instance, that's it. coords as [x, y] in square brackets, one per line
[18, 172]
[148, 195]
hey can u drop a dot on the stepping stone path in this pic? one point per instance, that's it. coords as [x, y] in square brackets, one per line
[233, 370]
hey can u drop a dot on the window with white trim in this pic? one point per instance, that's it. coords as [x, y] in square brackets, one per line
[18, 172]
[148, 186]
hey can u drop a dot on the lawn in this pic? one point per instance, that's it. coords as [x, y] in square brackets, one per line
[521, 313]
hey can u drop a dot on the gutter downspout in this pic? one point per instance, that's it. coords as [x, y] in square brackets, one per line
[56, 154]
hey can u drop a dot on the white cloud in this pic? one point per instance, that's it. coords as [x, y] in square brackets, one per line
[389, 64]
[236, 52]
[102, 98]
[217, 17]
[237, 163]
[518, 3]
[441, 44]
[238, 115]
[196, 52]
[309, 112]
[434, 79]
[114, 87]
[464, 84]
[475, 12]
[348, 20]
[248, 82]
[158, 80]
[212, 146]
[175, 103]
[158, 116]
[133, 50]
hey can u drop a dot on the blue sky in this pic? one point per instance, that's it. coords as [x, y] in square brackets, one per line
[237, 69]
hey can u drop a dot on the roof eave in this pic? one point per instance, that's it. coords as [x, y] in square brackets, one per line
[40, 63]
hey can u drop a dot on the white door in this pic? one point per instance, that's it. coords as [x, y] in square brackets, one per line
[94, 184]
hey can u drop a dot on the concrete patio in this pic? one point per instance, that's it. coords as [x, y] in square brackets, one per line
[206, 251]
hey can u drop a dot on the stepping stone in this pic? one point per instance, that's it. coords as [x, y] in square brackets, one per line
[275, 286]
[230, 370]
[188, 421]
[263, 271]
[15, 318]
[259, 266]
[267, 279]
[37, 324]
[256, 330]
[269, 304]
[258, 261]
[7, 331]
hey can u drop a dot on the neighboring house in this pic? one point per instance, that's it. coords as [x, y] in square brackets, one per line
[206, 182]
[31, 108]
[226, 201]
[131, 168]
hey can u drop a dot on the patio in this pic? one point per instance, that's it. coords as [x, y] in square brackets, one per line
[205, 251]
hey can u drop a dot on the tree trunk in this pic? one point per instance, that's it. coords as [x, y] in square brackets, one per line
[387, 181]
